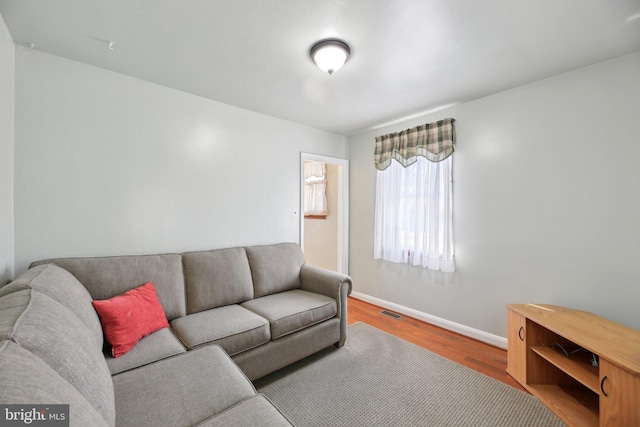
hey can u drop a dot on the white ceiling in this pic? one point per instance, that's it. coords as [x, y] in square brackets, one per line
[408, 56]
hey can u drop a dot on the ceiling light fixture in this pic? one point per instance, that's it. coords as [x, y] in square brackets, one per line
[330, 55]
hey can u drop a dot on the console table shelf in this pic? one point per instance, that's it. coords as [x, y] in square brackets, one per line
[541, 357]
[568, 404]
[577, 366]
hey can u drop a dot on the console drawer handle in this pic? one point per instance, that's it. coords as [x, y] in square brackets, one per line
[520, 331]
[602, 386]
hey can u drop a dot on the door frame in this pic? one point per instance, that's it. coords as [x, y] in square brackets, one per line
[343, 205]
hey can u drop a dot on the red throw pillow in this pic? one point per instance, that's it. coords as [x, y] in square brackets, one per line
[129, 317]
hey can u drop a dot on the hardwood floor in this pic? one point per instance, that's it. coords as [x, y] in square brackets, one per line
[482, 357]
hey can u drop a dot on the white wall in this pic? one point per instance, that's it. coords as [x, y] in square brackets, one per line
[108, 164]
[7, 87]
[546, 203]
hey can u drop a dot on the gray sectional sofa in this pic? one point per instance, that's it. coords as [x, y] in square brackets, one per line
[236, 315]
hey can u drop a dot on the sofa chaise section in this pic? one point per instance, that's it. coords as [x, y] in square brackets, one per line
[161, 394]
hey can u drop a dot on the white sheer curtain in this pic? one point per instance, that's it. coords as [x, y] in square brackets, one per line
[315, 188]
[413, 214]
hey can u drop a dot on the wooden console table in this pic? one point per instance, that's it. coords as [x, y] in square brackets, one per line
[551, 352]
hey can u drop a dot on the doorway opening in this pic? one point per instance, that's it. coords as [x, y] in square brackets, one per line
[325, 238]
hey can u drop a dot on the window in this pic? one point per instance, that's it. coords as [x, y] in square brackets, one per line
[315, 190]
[413, 210]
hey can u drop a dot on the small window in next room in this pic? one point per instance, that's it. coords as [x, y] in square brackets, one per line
[315, 190]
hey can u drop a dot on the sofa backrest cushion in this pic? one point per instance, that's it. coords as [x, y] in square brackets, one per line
[63, 287]
[275, 268]
[106, 277]
[216, 278]
[50, 331]
[26, 379]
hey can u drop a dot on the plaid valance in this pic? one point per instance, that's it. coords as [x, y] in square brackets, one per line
[432, 140]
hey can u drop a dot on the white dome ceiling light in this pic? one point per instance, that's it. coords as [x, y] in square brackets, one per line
[330, 55]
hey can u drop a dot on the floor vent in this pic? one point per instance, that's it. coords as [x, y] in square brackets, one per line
[391, 314]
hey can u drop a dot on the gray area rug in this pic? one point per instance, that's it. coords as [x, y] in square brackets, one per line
[377, 379]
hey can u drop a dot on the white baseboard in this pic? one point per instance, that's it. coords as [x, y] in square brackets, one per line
[477, 334]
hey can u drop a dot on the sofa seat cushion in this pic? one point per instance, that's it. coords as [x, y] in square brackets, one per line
[232, 327]
[180, 391]
[157, 346]
[291, 311]
[254, 411]
[27, 379]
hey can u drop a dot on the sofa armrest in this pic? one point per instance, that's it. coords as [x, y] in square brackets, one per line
[325, 282]
[332, 284]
